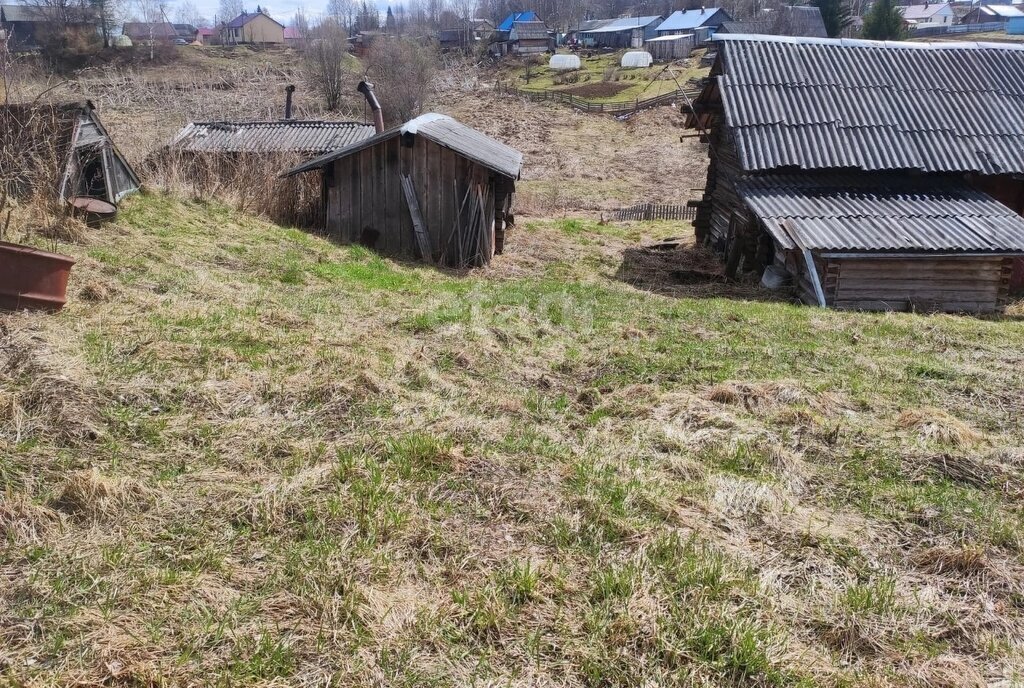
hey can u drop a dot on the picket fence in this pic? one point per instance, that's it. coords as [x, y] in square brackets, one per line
[654, 211]
[612, 108]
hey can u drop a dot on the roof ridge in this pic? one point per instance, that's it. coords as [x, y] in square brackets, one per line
[863, 43]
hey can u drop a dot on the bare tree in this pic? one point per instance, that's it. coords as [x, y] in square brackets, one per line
[403, 72]
[188, 13]
[229, 9]
[325, 64]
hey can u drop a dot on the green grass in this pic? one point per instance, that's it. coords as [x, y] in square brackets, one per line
[263, 457]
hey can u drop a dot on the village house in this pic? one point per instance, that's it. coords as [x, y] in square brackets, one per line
[574, 36]
[521, 33]
[626, 32]
[255, 28]
[529, 38]
[928, 14]
[986, 14]
[833, 167]
[431, 188]
[185, 32]
[206, 36]
[785, 20]
[507, 22]
[144, 33]
[24, 27]
[700, 22]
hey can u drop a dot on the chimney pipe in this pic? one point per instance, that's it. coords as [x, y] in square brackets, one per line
[288, 90]
[366, 88]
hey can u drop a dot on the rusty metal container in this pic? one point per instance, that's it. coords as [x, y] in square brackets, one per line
[93, 210]
[30, 278]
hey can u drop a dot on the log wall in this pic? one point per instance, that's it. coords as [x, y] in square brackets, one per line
[947, 284]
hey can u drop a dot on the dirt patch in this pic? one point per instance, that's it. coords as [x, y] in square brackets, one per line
[598, 89]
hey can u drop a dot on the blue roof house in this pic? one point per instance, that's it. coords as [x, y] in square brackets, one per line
[528, 16]
[687, 21]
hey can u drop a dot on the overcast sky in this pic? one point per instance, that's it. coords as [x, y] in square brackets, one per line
[281, 10]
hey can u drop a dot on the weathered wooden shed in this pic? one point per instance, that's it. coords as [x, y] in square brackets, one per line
[671, 47]
[835, 164]
[432, 188]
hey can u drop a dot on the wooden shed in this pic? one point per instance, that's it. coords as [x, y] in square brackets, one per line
[672, 47]
[890, 207]
[432, 188]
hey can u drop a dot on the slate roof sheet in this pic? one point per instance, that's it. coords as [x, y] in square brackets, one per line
[533, 30]
[444, 131]
[881, 213]
[683, 20]
[820, 103]
[284, 136]
[624, 24]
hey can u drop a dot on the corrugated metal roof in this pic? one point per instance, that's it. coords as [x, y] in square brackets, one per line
[246, 17]
[591, 24]
[925, 11]
[444, 131]
[882, 213]
[284, 136]
[625, 24]
[1004, 11]
[511, 19]
[683, 20]
[820, 103]
[673, 37]
[530, 30]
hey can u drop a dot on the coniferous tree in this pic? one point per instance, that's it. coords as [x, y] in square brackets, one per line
[836, 14]
[884, 22]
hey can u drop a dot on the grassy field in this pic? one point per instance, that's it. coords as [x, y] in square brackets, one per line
[243, 455]
[601, 80]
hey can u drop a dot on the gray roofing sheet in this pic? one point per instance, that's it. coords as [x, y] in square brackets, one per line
[284, 136]
[819, 103]
[530, 30]
[444, 131]
[882, 213]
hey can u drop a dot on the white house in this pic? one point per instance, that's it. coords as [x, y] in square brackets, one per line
[928, 14]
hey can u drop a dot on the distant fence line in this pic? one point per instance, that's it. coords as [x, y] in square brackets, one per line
[944, 29]
[654, 211]
[612, 108]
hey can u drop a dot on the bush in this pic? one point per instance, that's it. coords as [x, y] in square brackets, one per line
[403, 74]
[326, 65]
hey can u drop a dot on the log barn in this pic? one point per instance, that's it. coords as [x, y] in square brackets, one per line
[432, 188]
[876, 176]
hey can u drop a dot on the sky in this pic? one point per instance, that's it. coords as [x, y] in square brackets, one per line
[281, 10]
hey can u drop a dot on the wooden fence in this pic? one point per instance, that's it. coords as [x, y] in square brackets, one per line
[621, 107]
[653, 211]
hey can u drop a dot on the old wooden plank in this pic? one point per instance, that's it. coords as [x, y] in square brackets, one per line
[393, 198]
[439, 197]
[367, 232]
[421, 235]
[388, 241]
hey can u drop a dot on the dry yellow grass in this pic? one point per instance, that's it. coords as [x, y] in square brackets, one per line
[243, 455]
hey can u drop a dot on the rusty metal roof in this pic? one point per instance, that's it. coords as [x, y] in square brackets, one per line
[444, 131]
[822, 103]
[881, 213]
[309, 137]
